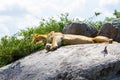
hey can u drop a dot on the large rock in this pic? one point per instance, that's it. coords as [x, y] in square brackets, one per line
[111, 30]
[80, 28]
[75, 62]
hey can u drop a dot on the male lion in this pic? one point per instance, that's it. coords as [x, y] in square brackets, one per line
[53, 40]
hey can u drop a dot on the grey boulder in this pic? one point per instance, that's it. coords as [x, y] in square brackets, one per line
[111, 30]
[74, 62]
[80, 28]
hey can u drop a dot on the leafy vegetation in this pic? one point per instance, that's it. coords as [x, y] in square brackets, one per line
[19, 45]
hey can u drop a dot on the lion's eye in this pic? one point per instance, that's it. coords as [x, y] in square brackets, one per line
[37, 40]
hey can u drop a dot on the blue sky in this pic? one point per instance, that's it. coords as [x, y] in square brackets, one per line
[20, 14]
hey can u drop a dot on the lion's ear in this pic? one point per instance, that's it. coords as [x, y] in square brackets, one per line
[36, 35]
[52, 32]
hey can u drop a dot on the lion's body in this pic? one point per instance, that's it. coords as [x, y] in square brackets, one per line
[70, 39]
[54, 40]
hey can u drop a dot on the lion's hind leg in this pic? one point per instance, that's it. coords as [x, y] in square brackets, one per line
[102, 39]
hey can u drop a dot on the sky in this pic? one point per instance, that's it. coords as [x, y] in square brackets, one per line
[21, 14]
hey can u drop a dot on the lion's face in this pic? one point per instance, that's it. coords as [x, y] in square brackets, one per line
[39, 39]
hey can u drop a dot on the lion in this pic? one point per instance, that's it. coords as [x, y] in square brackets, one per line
[53, 40]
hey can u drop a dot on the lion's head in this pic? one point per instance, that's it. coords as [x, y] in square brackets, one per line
[39, 39]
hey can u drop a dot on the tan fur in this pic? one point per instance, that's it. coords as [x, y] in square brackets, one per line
[70, 39]
[38, 39]
[54, 40]
[102, 39]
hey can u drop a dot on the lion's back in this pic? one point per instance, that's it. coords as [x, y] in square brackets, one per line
[76, 39]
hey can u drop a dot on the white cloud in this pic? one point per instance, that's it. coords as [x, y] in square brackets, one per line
[5, 3]
[34, 10]
[4, 18]
[73, 5]
[27, 21]
[106, 8]
[4, 30]
[37, 9]
[104, 11]
[110, 2]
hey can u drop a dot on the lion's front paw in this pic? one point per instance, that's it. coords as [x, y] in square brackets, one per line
[48, 47]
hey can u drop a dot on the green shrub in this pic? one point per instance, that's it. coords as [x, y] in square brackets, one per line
[12, 51]
[12, 48]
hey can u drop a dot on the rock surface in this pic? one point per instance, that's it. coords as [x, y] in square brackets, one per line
[73, 62]
[80, 28]
[111, 30]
